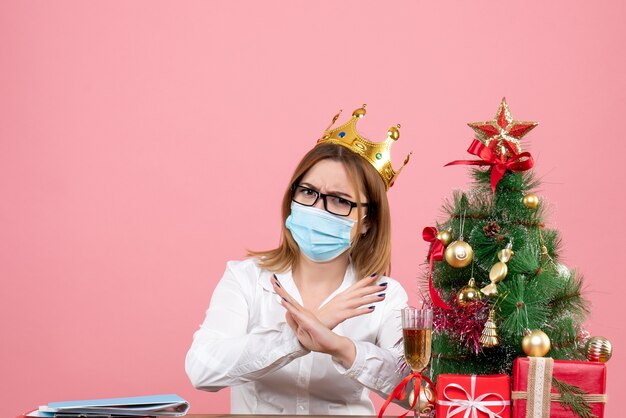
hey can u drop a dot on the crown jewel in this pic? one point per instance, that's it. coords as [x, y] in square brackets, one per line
[378, 154]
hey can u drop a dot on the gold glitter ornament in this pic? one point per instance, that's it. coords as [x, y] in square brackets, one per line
[468, 294]
[598, 349]
[531, 201]
[536, 343]
[427, 399]
[445, 237]
[459, 254]
[489, 338]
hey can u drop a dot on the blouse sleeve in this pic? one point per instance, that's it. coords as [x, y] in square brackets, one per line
[224, 353]
[378, 366]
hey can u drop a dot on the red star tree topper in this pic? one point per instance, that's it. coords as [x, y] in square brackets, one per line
[502, 128]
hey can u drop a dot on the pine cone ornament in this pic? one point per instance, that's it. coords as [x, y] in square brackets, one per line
[491, 229]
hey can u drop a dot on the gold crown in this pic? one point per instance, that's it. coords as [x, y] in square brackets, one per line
[378, 154]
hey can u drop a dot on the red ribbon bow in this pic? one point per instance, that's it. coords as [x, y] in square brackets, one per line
[400, 392]
[517, 162]
[434, 253]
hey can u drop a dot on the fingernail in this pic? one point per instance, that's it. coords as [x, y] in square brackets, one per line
[381, 295]
[371, 308]
[374, 275]
[277, 282]
[383, 284]
[285, 300]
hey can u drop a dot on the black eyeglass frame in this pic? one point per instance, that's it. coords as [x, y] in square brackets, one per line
[324, 196]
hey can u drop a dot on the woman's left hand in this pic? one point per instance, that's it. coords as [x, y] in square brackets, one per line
[312, 333]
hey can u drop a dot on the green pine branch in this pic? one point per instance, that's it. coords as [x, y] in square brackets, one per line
[572, 399]
[563, 332]
[519, 182]
[525, 261]
[569, 299]
[523, 307]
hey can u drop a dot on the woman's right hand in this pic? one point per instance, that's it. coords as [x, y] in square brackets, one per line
[358, 299]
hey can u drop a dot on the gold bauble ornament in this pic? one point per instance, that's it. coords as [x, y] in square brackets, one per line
[598, 349]
[459, 254]
[536, 343]
[445, 237]
[468, 294]
[489, 337]
[531, 201]
[427, 400]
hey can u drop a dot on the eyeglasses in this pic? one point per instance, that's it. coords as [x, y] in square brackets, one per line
[333, 204]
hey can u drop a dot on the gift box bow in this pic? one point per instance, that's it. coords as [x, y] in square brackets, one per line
[471, 405]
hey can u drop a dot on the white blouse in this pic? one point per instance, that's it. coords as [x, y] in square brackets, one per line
[245, 343]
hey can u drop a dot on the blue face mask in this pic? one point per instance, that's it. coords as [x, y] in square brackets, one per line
[320, 235]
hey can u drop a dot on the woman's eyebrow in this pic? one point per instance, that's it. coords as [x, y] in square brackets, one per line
[331, 192]
[340, 194]
[309, 186]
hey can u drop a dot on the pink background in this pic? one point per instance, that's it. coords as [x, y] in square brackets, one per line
[143, 144]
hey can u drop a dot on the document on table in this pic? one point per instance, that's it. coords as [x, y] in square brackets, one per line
[138, 406]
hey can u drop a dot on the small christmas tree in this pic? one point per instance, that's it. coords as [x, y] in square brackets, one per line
[498, 283]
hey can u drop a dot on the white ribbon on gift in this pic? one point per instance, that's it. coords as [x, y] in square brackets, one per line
[472, 405]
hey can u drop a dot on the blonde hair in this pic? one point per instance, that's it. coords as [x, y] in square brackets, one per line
[370, 252]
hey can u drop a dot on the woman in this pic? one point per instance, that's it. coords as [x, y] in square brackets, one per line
[311, 326]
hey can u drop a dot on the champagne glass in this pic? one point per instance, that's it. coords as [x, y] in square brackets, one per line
[417, 328]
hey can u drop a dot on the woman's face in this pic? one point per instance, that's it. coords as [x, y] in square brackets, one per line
[330, 177]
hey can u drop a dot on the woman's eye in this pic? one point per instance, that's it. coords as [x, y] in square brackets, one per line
[306, 193]
[339, 201]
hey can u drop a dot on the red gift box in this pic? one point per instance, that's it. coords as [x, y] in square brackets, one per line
[533, 388]
[464, 395]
